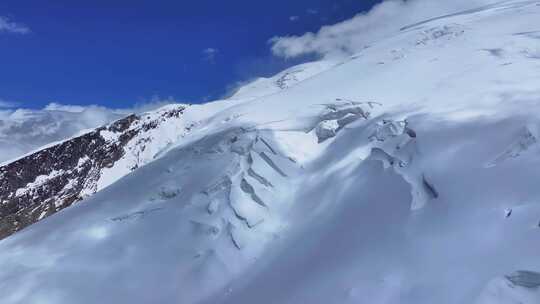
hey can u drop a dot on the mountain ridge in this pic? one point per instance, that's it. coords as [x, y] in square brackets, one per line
[53, 178]
[404, 174]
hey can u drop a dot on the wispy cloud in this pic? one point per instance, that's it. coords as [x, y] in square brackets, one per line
[143, 105]
[7, 104]
[352, 35]
[8, 26]
[294, 18]
[209, 54]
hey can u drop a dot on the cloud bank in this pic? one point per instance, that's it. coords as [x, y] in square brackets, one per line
[8, 26]
[352, 35]
[7, 104]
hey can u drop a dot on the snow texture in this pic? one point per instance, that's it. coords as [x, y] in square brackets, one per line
[407, 174]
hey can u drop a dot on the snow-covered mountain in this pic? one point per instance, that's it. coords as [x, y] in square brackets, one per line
[61, 173]
[404, 174]
[51, 179]
[261, 87]
[23, 130]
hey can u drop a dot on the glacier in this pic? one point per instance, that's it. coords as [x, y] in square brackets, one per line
[405, 173]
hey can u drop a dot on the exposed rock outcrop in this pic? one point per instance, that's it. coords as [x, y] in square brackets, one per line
[45, 182]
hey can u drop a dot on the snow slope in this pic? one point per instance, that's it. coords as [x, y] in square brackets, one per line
[406, 174]
[261, 87]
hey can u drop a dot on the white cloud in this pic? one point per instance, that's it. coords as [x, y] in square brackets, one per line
[144, 105]
[53, 106]
[8, 26]
[312, 11]
[294, 18]
[210, 54]
[352, 35]
[7, 104]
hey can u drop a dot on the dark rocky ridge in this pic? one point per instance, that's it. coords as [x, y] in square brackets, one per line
[62, 174]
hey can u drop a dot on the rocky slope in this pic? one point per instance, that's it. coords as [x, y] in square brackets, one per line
[47, 181]
[23, 131]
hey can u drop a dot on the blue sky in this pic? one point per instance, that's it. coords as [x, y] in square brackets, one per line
[118, 53]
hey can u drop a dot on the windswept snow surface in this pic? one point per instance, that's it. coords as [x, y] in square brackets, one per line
[261, 87]
[422, 189]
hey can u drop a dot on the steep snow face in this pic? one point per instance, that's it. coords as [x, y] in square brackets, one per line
[406, 174]
[223, 197]
[154, 131]
[517, 287]
[267, 86]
